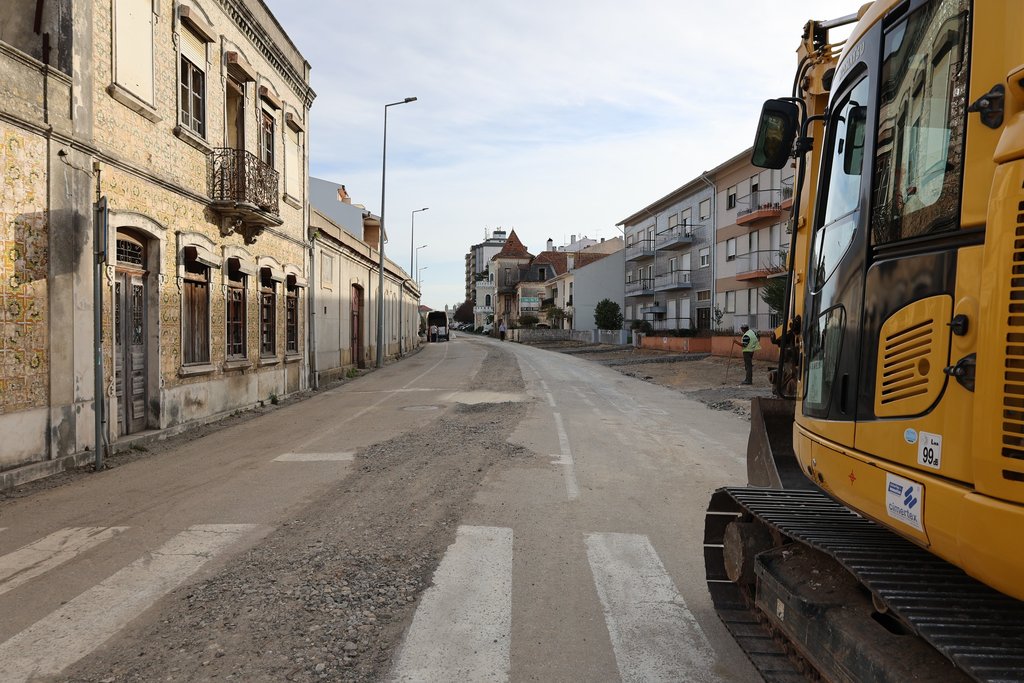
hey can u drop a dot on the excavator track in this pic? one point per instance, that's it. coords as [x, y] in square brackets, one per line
[977, 629]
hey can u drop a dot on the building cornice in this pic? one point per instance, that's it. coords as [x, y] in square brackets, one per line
[262, 41]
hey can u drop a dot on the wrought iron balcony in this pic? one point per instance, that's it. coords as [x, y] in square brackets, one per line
[244, 191]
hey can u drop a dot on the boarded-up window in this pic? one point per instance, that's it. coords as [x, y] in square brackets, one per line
[236, 347]
[268, 314]
[195, 313]
[292, 172]
[133, 47]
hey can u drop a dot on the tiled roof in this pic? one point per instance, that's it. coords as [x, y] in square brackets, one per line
[585, 258]
[513, 248]
[557, 259]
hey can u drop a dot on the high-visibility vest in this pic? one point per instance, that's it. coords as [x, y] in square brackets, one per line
[750, 342]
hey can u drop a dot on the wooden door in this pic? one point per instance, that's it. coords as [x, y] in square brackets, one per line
[130, 351]
[357, 327]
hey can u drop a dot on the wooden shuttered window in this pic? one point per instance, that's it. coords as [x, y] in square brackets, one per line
[268, 314]
[292, 317]
[236, 312]
[195, 313]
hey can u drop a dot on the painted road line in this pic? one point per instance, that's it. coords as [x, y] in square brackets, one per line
[653, 634]
[28, 562]
[63, 637]
[572, 487]
[462, 629]
[315, 457]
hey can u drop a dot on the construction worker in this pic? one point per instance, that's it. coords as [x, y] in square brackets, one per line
[749, 343]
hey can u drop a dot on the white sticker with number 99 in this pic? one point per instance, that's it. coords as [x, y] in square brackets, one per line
[929, 450]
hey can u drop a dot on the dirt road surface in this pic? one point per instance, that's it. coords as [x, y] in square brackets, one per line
[477, 511]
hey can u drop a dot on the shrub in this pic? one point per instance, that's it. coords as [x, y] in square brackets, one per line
[607, 315]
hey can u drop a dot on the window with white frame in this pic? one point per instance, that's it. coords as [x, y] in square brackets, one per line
[705, 257]
[752, 296]
[705, 209]
[685, 216]
[730, 302]
[730, 198]
[192, 85]
[730, 249]
[133, 47]
[673, 220]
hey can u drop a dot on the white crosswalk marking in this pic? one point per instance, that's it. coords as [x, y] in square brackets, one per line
[34, 559]
[654, 635]
[63, 637]
[315, 457]
[462, 628]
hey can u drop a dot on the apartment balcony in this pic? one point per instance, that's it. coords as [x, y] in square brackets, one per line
[640, 287]
[676, 279]
[640, 250]
[677, 237]
[759, 206]
[244, 191]
[758, 264]
[787, 194]
[759, 322]
[483, 309]
[654, 309]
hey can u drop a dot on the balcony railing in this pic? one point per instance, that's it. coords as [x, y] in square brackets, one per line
[675, 279]
[759, 322]
[759, 205]
[677, 236]
[240, 179]
[640, 287]
[483, 309]
[639, 250]
[658, 323]
[757, 264]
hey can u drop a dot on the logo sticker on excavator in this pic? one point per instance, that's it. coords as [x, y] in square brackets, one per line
[904, 501]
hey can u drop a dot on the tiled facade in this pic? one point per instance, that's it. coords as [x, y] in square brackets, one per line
[107, 118]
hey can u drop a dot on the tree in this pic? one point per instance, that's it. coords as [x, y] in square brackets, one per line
[528, 320]
[554, 315]
[607, 315]
[774, 291]
[464, 313]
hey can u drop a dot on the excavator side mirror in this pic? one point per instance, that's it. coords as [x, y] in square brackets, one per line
[776, 132]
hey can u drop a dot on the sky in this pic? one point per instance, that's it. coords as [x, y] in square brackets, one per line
[553, 119]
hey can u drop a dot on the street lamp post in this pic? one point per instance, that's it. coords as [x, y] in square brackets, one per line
[380, 283]
[401, 292]
[417, 260]
[419, 279]
[412, 238]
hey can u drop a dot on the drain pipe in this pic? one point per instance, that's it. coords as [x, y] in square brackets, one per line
[99, 257]
[713, 237]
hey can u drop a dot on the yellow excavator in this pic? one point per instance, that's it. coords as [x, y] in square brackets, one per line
[881, 536]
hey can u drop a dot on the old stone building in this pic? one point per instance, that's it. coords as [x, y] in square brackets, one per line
[185, 123]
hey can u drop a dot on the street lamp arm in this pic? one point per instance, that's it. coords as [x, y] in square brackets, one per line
[380, 282]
